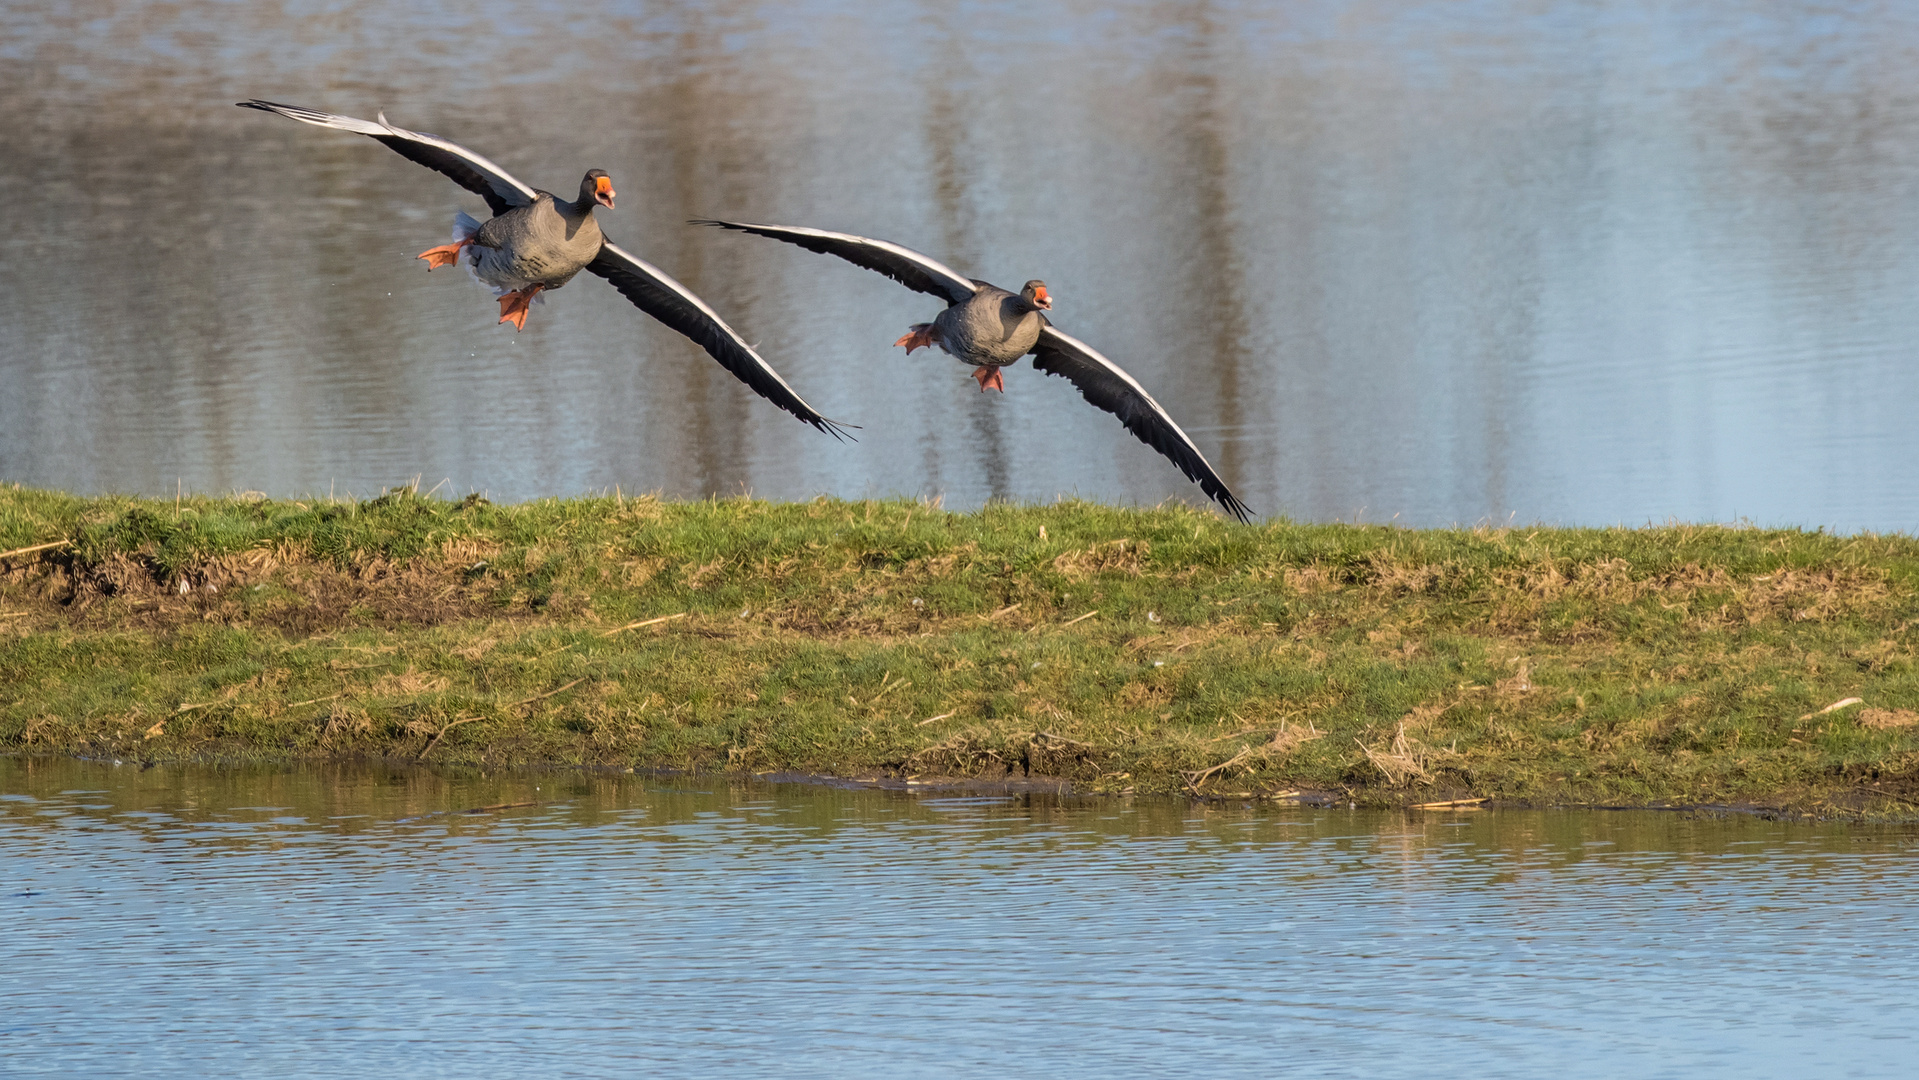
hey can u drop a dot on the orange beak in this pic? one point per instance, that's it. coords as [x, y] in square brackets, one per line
[603, 192]
[1042, 298]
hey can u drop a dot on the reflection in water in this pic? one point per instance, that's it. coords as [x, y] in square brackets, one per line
[189, 920]
[1566, 261]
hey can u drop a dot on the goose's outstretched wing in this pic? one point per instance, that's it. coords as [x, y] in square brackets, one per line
[464, 167]
[1102, 383]
[653, 292]
[904, 265]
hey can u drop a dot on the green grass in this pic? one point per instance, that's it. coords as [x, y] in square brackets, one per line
[1371, 663]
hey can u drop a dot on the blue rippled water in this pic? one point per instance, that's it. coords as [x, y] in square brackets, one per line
[341, 922]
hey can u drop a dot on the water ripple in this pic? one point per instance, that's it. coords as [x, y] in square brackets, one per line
[315, 921]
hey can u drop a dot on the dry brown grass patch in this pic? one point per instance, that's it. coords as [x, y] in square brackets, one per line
[1396, 578]
[408, 683]
[940, 566]
[1422, 716]
[1311, 580]
[1402, 761]
[1887, 719]
[477, 649]
[468, 551]
[1291, 737]
[1122, 556]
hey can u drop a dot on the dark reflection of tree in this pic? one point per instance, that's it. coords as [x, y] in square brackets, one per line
[367, 337]
[948, 134]
[700, 105]
[1211, 288]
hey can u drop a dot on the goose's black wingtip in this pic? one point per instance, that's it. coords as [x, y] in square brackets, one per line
[729, 226]
[840, 431]
[1234, 507]
[274, 107]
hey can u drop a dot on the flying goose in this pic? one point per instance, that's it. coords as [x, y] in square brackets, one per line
[989, 328]
[535, 242]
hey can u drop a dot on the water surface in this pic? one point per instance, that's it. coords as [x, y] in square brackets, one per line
[1568, 261]
[340, 921]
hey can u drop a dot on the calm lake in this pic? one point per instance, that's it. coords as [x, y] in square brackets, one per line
[349, 921]
[1566, 261]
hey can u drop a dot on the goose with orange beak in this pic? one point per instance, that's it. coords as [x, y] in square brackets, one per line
[989, 328]
[532, 248]
[535, 243]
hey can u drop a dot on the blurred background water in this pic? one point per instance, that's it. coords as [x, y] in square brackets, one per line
[349, 921]
[1568, 261]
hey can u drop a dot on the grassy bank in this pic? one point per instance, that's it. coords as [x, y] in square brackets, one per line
[1153, 650]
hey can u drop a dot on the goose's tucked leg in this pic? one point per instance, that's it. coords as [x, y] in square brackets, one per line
[515, 305]
[444, 255]
[989, 377]
[920, 336]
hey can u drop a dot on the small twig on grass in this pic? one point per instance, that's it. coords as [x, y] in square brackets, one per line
[316, 701]
[548, 694]
[1843, 703]
[1451, 804]
[1002, 611]
[1082, 618]
[1062, 738]
[930, 719]
[450, 725]
[34, 548]
[643, 622]
[184, 707]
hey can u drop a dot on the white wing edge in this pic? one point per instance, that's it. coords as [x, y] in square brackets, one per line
[382, 127]
[476, 160]
[926, 262]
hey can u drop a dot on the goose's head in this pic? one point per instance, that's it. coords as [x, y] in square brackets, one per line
[597, 187]
[1034, 293]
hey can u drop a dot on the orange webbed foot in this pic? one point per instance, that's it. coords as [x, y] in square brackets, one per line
[989, 377]
[921, 336]
[444, 255]
[515, 305]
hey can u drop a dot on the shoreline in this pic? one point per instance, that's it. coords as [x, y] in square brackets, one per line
[1886, 810]
[1122, 651]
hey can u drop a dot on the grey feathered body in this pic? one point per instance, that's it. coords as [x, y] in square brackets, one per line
[992, 328]
[542, 243]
